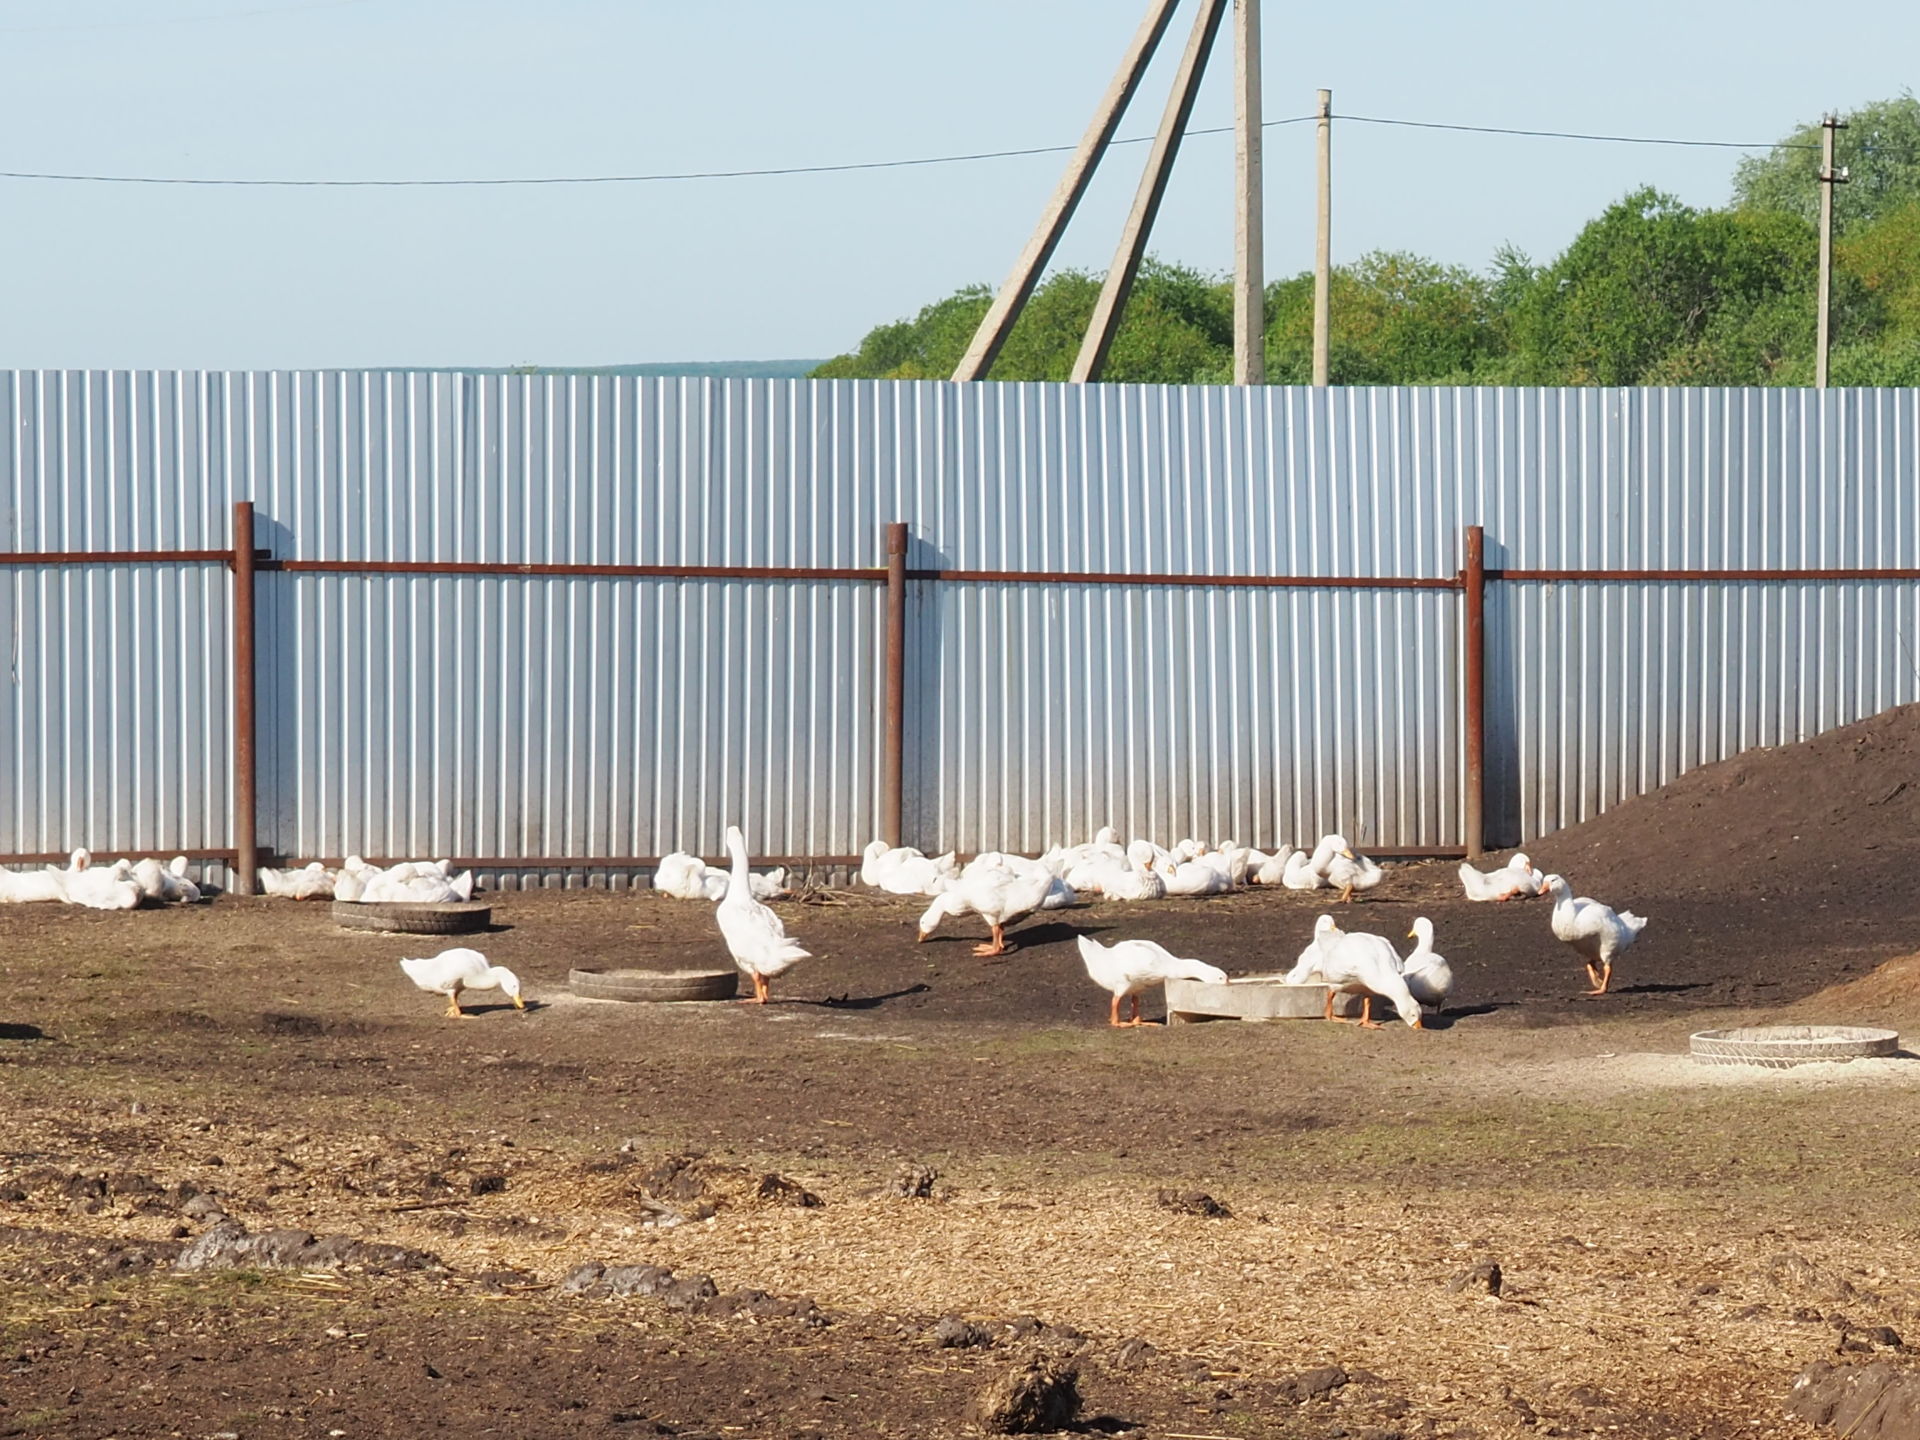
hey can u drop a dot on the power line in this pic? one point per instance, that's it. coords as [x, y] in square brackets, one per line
[1578, 135]
[178, 19]
[618, 179]
[855, 166]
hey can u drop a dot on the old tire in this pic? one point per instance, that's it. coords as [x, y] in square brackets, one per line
[655, 985]
[1778, 1046]
[410, 917]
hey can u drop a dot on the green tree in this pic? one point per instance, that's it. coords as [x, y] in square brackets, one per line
[1880, 149]
[1394, 319]
[1654, 289]
[1177, 329]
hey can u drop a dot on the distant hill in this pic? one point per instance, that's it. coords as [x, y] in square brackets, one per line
[696, 369]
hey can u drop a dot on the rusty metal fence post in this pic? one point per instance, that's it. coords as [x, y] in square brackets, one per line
[245, 770]
[893, 739]
[1473, 581]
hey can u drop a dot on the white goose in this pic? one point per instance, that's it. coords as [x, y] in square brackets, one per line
[1599, 933]
[313, 882]
[21, 887]
[1366, 965]
[1000, 889]
[1429, 978]
[902, 870]
[452, 971]
[1130, 966]
[1515, 880]
[1346, 872]
[98, 887]
[167, 882]
[1271, 869]
[755, 936]
[1306, 970]
[1191, 877]
[1299, 873]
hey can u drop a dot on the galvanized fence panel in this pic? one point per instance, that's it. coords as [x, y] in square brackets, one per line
[585, 716]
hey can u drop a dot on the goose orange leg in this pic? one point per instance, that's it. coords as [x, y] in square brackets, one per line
[1136, 1022]
[759, 996]
[996, 946]
[1601, 975]
[1367, 1022]
[1337, 1019]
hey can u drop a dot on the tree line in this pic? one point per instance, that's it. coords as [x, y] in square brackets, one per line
[1652, 292]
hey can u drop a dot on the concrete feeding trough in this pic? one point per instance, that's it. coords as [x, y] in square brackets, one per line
[1245, 997]
[1778, 1046]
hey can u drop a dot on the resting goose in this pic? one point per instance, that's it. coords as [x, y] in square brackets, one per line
[1597, 932]
[313, 882]
[755, 936]
[452, 971]
[1299, 873]
[1271, 869]
[1130, 966]
[902, 870]
[1513, 881]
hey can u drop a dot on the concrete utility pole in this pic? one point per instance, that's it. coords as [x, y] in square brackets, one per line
[1013, 295]
[1323, 245]
[1249, 267]
[1829, 177]
[1146, 200]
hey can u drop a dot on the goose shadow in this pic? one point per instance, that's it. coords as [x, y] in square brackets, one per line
[1660, 988]
[1454, 1014]
[15, 1031]
[866, 1002]
[534, 1007]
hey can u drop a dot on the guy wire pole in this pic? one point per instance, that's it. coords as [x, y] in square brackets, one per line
[1249, 271]
[1829, 177]
[1112, 303]
[1323, 245]
[998, 322]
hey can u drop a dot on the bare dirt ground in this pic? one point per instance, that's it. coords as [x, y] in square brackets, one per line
[1675, 1242]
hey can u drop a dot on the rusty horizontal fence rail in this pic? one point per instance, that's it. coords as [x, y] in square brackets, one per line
[115, 557]
[1681, 577]
[537, 570]
[61, 857]
[1223, 582]
[561, 862]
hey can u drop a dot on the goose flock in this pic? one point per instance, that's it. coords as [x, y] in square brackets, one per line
[122, 885]
[421, 882]
[1002, 889]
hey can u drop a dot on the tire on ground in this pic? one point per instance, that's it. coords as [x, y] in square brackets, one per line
[655, 985]
[403, 917]
[1779, 1046]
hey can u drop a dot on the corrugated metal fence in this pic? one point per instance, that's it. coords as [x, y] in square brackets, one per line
[572, 623]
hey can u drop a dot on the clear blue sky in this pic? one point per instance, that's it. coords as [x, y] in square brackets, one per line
[109, 276]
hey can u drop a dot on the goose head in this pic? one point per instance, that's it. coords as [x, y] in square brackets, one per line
[1422, 931]
[1520, 862]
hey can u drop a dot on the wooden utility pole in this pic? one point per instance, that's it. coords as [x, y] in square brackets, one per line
[1829, 177]
[1013, 295]
[1146, 200]
[1249, 268]
[1323, 245]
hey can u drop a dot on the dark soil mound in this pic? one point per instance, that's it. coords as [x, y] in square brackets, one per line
[1809, 847]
